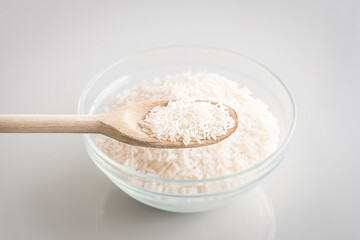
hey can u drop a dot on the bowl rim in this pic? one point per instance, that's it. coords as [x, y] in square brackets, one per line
[272, 156]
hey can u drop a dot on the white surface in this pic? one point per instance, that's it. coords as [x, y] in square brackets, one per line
[49, 188]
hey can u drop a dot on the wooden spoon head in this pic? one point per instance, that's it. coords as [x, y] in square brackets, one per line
[123, 125]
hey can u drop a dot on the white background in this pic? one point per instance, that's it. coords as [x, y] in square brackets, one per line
[49, 50]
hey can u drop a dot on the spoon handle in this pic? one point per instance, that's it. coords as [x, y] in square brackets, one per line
[49, 124]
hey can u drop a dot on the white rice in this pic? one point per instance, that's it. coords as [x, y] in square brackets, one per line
[255, 138]
[187, 120]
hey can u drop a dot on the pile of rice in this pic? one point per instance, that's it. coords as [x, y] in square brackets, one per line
[255, 138]
[188, 120]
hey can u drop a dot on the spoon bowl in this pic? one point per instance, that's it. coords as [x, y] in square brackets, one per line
[123, 125]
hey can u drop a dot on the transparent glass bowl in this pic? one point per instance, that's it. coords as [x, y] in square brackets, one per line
[184, 195]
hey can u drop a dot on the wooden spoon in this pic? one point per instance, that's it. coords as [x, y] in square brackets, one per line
[121, 124]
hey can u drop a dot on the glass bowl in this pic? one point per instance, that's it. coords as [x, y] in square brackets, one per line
[184, 195]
